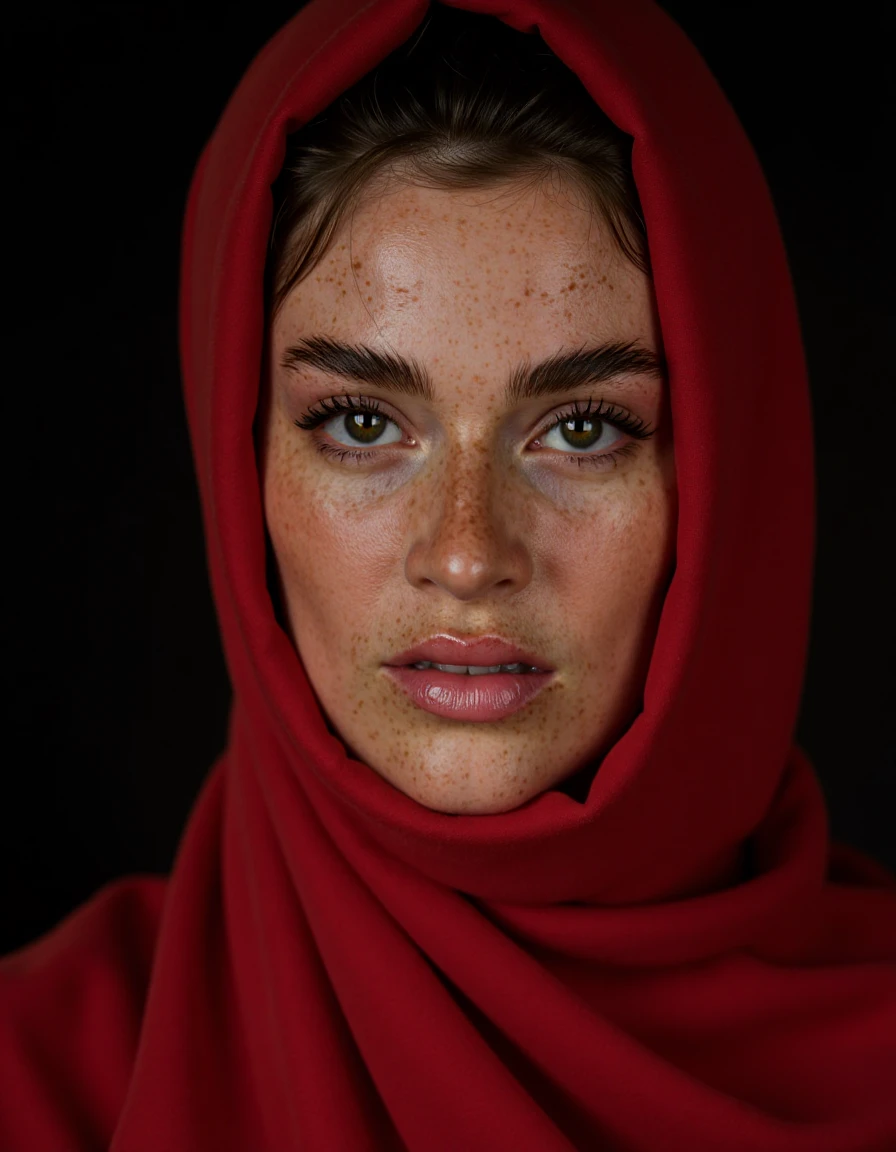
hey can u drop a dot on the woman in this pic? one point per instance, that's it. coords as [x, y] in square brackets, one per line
[479, 405]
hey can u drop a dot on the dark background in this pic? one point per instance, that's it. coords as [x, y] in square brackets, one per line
[117, 687]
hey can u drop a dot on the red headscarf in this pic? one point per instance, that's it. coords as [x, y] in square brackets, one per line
[683, 961]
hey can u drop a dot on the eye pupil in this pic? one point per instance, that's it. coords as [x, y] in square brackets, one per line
[365, 427]
[581, 432]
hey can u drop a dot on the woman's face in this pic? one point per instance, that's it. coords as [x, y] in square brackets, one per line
[456, 500]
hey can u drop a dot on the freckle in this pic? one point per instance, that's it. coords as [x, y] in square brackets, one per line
[572, 286]
[366, 283]
[527, 292]
[357, 264]
[369, 298]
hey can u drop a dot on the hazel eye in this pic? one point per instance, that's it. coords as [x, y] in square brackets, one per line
[362, 427]
[584, 434]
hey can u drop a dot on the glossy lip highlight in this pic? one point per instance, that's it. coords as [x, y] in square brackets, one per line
[478, 651]
[455, 696]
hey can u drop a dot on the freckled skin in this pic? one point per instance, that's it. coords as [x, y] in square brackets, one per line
[463, 526]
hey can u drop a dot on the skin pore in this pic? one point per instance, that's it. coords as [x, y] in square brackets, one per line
[470, 513]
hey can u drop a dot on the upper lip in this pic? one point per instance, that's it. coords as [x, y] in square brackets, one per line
[478, 651]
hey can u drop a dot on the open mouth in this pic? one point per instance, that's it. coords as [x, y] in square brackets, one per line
[503, 678]
[475, 669]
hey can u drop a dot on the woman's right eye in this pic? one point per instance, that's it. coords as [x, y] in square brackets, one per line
[362, 427]
[351, 423]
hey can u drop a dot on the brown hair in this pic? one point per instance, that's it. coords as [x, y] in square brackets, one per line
[467, 102]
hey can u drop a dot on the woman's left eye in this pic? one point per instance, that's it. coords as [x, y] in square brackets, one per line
[582, 435]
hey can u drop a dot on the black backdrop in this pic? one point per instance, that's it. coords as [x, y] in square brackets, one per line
[117, 687]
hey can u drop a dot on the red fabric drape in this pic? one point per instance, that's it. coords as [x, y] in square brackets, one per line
[683, 961]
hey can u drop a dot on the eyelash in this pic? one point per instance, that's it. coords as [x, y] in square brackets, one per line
[619, 418]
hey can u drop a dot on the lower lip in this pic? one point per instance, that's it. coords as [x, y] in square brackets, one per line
[458, 696]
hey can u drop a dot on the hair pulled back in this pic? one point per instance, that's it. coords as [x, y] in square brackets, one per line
[467, 102]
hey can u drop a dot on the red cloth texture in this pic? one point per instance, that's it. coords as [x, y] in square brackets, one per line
[683, 961]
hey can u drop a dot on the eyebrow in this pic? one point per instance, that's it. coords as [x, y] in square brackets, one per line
[560, 372]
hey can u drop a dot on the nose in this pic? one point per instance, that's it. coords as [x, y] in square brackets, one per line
[467, 533]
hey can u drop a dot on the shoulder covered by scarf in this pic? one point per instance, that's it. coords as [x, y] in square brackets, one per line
[681, 961]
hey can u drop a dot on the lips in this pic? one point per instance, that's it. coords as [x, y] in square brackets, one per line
[471, 652]
[471, 679]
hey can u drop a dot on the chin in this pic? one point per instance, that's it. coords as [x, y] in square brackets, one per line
[469, 797]
[470, 806]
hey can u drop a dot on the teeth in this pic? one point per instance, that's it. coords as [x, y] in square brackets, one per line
[474, 670]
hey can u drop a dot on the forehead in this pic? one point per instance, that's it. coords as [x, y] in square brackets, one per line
[519, 268]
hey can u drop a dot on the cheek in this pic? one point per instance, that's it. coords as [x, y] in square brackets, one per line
[334, 552]
[611, 563]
